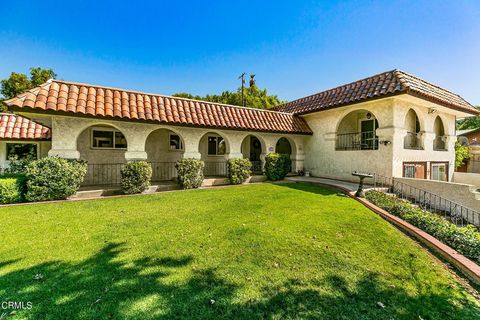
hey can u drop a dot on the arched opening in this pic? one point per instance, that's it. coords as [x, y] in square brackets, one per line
[412, 138]
[164, 148]
[284, 146]
[357, 131]
[439, 130]
[214, 149]
[253, 149]
[103, 147]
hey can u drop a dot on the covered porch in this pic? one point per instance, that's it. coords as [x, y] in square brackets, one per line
[107, 145]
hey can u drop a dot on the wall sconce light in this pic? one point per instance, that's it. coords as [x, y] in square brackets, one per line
[385, 142]
[369, 115]
[431, 110]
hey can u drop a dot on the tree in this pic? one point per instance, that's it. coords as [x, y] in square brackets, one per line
[462, 153]
[39, 76]
[18, 83]
[254, 97]
[469, 123]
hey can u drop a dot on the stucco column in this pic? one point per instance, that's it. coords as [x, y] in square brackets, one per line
[136, 138]
[64, 138]
[428, 138]
[235, 147]
[191, 141]
[450, 142]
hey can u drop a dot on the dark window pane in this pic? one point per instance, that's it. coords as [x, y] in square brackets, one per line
[21, 151]
[120, 141]
[102, 139]
[212, 146]
[175, 142]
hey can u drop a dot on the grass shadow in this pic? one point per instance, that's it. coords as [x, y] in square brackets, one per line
[104, 286]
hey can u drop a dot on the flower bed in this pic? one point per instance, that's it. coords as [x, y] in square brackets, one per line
[465, 240]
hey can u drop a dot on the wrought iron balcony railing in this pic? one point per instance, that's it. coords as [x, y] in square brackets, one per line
[366, 140]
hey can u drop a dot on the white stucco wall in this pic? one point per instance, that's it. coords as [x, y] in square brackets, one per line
[321, 158]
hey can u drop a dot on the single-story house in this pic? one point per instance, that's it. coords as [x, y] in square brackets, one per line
[392, 123]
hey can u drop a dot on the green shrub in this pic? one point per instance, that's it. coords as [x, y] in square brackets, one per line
[239, 170]
[277, 166]
[54, 178]
[465, 240]
[18, 166]
[136, 177]
[190, 173]
[12, 188]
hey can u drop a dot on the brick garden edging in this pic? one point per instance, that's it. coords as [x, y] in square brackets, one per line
[465, 265]
[469, 268]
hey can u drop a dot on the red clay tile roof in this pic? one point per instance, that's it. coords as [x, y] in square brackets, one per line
[66, 98]
[378, 86]
[16, 127]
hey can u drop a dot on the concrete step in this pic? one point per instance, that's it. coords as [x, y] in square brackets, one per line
[98, 191]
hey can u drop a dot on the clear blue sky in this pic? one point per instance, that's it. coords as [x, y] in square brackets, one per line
[295, 48]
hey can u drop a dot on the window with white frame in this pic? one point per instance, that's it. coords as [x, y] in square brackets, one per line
[176, 142]
[216, 146]
[103, 138]
[22, 151]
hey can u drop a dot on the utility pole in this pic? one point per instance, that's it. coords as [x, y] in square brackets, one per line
[242, 76]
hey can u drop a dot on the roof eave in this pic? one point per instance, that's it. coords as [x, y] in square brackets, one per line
[16, 108]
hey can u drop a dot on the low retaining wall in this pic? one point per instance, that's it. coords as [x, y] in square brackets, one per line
[460, 193]
[467, 178]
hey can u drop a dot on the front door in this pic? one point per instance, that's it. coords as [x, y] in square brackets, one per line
[367, 132]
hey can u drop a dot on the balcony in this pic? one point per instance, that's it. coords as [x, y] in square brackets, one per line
[412, 141]
[356, 141]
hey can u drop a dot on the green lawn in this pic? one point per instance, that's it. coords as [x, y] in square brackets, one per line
[254, 251]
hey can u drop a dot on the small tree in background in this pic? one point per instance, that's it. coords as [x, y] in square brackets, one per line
[18, 83]
[462, 153]
[469, 123]
[254, 97]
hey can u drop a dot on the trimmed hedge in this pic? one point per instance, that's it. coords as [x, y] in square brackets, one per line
[239, 170]
[136, 177]
[465, 240]
[12, 188]
[53, 178]
[277, 166]
[190, 173]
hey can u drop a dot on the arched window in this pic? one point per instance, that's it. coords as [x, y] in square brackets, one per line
[439, 142]
[412, 138]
